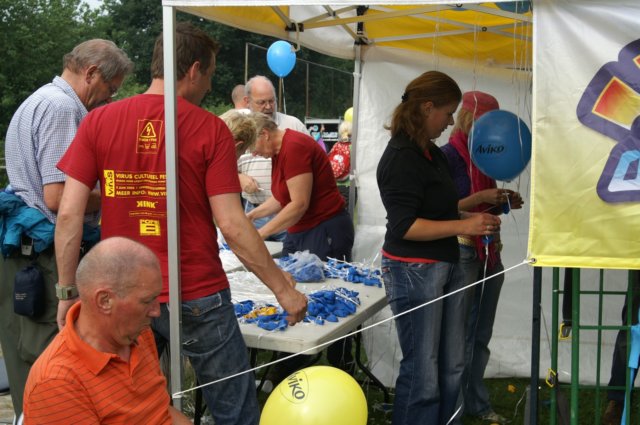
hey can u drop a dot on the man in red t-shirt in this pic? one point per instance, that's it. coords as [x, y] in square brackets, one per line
[122, 146]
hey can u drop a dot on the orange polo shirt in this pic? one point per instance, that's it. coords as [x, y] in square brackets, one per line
[73, 383]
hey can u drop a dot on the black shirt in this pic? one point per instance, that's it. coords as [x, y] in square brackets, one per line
[414, 186]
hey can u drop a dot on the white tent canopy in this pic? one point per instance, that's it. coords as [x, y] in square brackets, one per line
[481, 45]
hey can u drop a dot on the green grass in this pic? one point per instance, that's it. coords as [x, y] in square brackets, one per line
[508, 398]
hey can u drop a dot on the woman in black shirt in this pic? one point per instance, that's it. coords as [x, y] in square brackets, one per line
[420, 252]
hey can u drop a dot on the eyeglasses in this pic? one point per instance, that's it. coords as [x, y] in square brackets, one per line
[263, 102]
[113, 89]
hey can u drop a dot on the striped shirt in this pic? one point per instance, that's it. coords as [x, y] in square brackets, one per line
[73, 383]
[40, 132]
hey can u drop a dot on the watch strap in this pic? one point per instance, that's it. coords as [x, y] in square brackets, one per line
[66, 292]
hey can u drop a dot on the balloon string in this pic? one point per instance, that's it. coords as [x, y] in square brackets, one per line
[324, 344]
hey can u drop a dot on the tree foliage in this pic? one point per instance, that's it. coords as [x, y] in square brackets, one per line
[35, 34]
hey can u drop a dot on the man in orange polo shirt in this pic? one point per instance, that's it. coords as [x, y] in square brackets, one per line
[103, 366]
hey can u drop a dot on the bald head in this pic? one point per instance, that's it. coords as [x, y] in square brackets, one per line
[114, 262]
[237, 96]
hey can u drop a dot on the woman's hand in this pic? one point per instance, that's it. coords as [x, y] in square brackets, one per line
[481, 224]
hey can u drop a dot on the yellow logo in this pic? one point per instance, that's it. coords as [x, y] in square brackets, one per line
[149, 227]
[149, 135]
[109, 184]
[146, 204]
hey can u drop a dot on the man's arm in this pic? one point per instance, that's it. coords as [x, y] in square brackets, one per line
[53, 197]
[68, 237]
[248, 183]
[246, 244]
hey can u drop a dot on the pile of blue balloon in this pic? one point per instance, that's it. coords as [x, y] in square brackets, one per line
[352, 273]
[303, 268]
[500, 145]
[331, 304]
[324, 305]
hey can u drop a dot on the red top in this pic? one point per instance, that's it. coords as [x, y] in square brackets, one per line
[300, 154]
[122, 145]
[73, 383]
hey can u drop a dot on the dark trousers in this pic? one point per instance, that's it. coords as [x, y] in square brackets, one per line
[24, 338]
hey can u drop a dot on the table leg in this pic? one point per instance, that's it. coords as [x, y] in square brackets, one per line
[365, 369]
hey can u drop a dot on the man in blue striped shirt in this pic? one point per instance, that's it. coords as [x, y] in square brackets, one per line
[39, 133]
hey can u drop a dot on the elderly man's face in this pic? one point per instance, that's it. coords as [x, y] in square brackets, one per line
[134, 311]
[102, 91]
[262, 99]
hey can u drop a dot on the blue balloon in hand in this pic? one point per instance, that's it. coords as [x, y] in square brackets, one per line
[281, 58]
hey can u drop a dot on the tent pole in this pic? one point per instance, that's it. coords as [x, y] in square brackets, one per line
[246, 62]
[535, 345]
[173, 214]
[354, 129]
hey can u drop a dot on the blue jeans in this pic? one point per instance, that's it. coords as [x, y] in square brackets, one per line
[482, 300]
[258, 223]
[212, 341]
[428, 388]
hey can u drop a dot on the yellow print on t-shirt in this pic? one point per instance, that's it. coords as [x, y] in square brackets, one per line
[149, 133]
[109, 184]
[122, 184]
[149, 227]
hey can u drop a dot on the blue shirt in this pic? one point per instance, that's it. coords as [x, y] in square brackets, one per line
[39, 134]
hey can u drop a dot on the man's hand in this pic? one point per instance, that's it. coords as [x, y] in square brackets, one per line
[63, 307]
[292, 301]
[248, 183]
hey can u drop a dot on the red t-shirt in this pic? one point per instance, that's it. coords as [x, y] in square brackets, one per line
[301, 154]
[122, 145]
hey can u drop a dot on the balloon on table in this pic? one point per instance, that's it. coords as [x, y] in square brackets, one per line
[500, 145]
[281, 58]
[348, 115]
[317, 395]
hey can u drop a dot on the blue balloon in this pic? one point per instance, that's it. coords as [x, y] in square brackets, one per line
[281, 58]
[500, 145]
[515, 6]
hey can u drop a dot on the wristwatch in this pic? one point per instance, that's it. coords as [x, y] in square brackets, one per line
[66, 292]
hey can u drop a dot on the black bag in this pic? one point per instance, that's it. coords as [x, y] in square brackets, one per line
[28, 292]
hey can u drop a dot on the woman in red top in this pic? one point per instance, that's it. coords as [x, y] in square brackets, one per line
[305, 195]
[311, 209]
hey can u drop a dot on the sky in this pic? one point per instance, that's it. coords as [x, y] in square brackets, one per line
[93, 3]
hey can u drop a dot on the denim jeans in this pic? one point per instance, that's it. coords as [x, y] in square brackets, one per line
[428, 388]
[212, 341]
[258, 223]
[483, 303]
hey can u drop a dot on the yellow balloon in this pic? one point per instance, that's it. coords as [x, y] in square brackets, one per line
[317, 395]
[348, 114]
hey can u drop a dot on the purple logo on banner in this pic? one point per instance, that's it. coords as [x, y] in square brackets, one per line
[611, 105]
